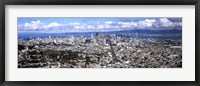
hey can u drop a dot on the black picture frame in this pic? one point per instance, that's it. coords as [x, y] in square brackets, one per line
[98, 2]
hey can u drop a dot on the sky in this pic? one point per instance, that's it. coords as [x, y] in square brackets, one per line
[76, 24]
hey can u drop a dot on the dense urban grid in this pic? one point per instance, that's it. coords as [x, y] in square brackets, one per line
[99, 51]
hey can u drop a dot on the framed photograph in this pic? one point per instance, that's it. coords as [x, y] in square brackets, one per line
[106, 42]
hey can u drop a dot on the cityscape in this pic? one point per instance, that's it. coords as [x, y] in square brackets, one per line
[109, 42]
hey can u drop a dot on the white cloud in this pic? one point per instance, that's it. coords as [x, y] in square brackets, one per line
[167, 24]
[178, 24]
[127, 24]
[103, 26]
[78, 27]
[109, 22]
[100, 26]
[116, 27]
[98, 22]
[90, 27]
[146, 23]
[164, 22]
[34, 25]
[54, 24]
[74, 23]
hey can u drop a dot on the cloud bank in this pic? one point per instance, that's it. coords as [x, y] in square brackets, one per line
[149, 24]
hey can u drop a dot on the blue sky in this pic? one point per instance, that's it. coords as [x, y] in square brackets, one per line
[43, 24]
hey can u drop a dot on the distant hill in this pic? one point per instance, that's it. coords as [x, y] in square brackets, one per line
[174, 31]
[128, 33]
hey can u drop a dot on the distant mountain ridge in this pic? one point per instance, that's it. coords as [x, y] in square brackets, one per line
[128, 33]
